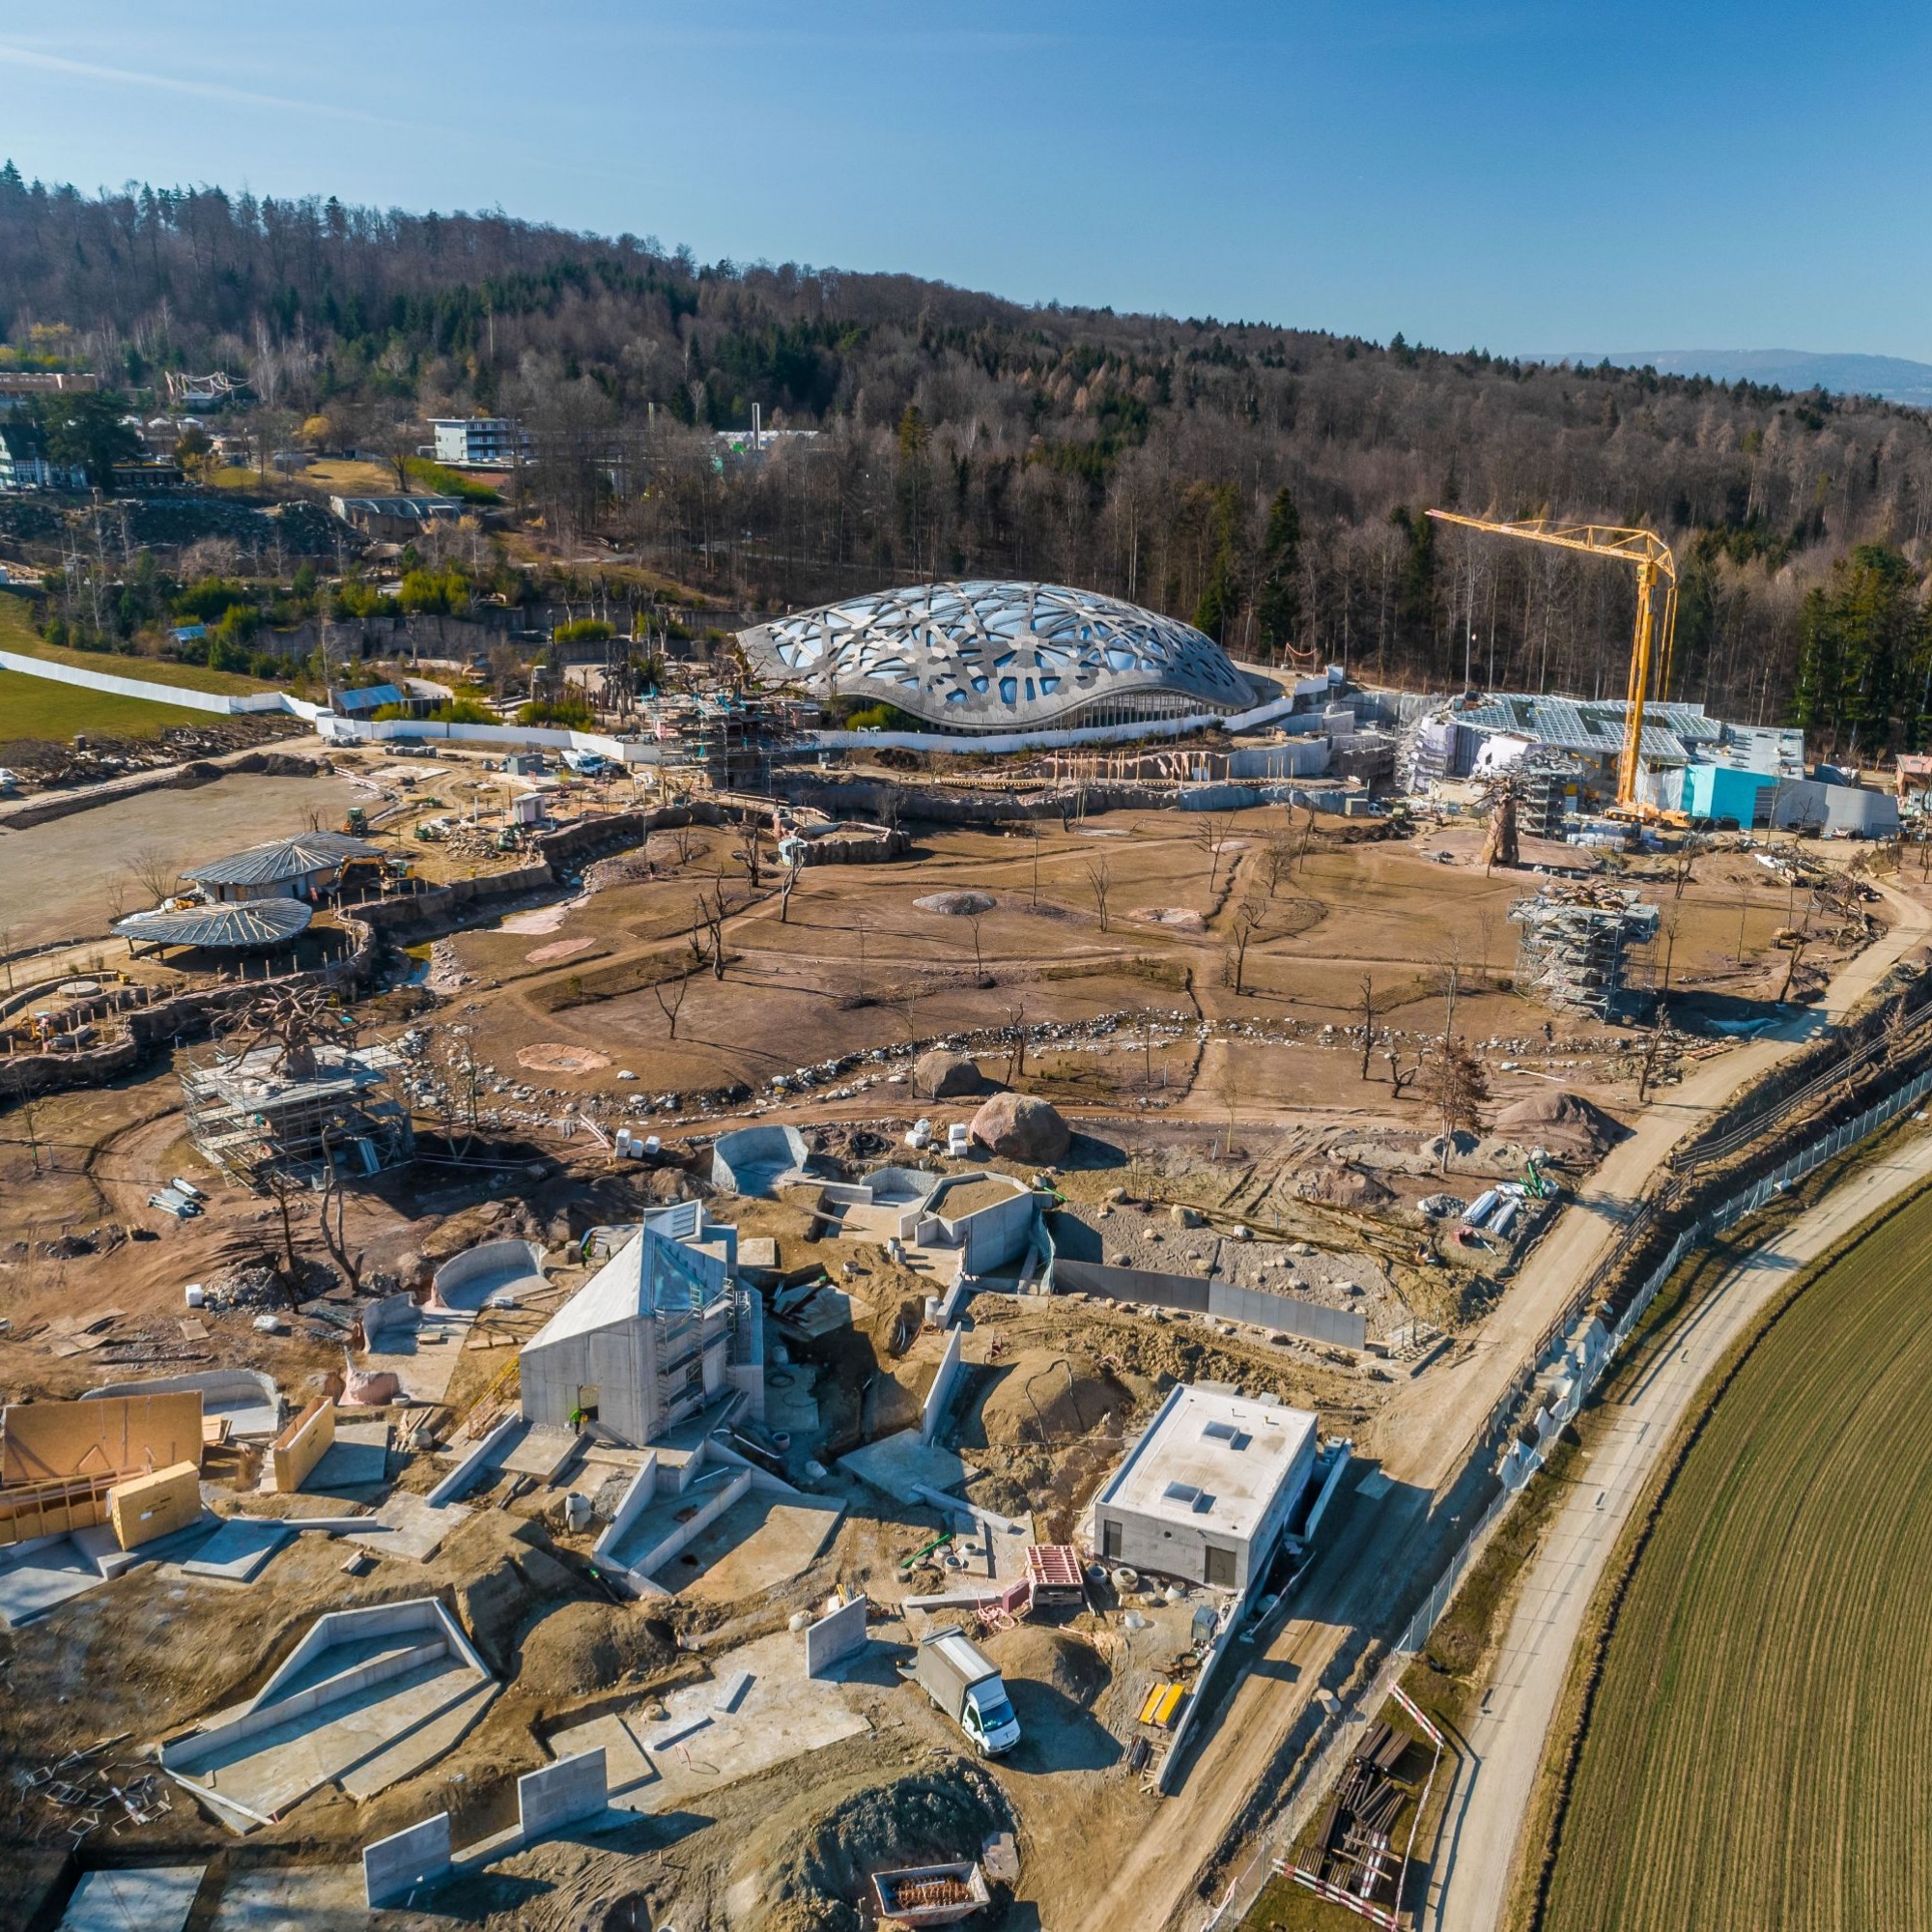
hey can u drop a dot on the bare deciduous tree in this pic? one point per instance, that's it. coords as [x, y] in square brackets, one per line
[669, 995]
[1373, 1010]
[1100, 882]
[1212, 835]
[1456, 1087]
[152, 869]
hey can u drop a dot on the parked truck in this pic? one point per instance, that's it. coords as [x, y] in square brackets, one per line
[968, 1688]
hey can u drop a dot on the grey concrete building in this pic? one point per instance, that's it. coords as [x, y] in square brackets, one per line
[1208, 1490]
[659, 1335]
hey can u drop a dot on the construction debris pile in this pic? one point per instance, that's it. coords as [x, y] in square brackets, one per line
[1573, 943]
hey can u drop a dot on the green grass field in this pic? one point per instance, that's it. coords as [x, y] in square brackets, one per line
[16, 634]
[36, 707]
[1757, 1752]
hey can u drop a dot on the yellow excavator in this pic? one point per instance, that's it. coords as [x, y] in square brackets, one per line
[1655, 626]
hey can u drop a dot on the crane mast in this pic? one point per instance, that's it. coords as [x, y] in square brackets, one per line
[1656, 616]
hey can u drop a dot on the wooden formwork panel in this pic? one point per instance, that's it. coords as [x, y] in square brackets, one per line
[302, 1444]
[154, 1505]
[109, 1436]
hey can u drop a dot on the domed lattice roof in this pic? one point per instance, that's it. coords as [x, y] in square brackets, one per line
[991, 657]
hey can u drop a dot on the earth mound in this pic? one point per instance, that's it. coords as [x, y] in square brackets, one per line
[815, 1870]
[1020, 1128]
[1059, 1658]
[939, 1075]
[589, 1646]
[1182, 919]
[1559, 1119]
[1052, 1395]
[1342, 1186]
[962, 906]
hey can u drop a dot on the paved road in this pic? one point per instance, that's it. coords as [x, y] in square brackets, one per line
[1504, 1746]
[1358, 1584]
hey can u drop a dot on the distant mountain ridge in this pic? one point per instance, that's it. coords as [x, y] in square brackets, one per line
[1892, 377]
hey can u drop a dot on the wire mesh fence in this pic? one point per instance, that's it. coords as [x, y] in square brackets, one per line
[1351, 1719]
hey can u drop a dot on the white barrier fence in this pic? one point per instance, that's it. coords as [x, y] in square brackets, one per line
[1591, 1356]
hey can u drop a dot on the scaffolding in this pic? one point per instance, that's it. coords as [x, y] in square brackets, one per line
[1573, 945]
[249, 1113]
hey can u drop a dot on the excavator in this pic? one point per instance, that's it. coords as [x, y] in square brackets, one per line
[1650, 648]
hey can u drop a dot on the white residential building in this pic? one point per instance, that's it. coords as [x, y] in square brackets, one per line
[478, 442]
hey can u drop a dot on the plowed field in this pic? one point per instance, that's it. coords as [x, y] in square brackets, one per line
[1760, 1750]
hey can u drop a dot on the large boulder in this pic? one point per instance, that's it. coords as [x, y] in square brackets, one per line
[1020, 1128]
[939, 1075]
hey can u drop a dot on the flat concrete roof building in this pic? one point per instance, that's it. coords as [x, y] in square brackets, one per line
[1207, 1492]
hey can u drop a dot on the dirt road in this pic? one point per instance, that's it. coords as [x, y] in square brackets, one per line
[1486, 1811]
[1426, 1427]
[1361, 1583]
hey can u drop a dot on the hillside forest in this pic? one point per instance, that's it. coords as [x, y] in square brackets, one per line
[1266, 483]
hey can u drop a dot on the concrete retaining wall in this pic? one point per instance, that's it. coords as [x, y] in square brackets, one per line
[393, 1868]
[1197, 1295]
[833, 1638]
[561, 1793]
[940, 1393]
[685, 1533]
[470, 1469]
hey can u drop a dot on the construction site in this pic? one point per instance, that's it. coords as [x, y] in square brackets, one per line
[813, 1328]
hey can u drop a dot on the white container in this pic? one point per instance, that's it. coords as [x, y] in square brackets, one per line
[196, 1296]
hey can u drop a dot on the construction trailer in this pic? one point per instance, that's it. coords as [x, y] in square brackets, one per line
[1574, 946]
[249, 1113]
[657, 1336]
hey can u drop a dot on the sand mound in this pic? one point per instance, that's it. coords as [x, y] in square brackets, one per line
[1066, 1661]
[962, 905]
[811, 1875]
[1559, 1118]
[1336, 1187]
[557, 949]
[1050, 1393]
[552, 1055]
[1184, 919]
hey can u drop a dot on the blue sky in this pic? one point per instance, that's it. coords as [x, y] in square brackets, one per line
[1524, 177]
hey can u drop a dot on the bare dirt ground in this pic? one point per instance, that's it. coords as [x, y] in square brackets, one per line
[1240, 1100]
[64, 879]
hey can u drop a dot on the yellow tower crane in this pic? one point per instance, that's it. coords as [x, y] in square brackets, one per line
[1656, 619]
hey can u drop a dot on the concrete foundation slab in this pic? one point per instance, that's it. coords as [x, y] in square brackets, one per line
[348, 1464]
[99, 1546]
[32, 1582]
[421, 1350]
[237, 1552]
[412, 1530]
[542, 1452]
[898, 1465]
[155, 1898]
[366, 1697]
[298, 1899]
[417, 1750]
[627, 1763]
[759, 1544]
[783, 1714]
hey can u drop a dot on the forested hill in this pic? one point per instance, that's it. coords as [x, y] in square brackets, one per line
[1265, 482]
